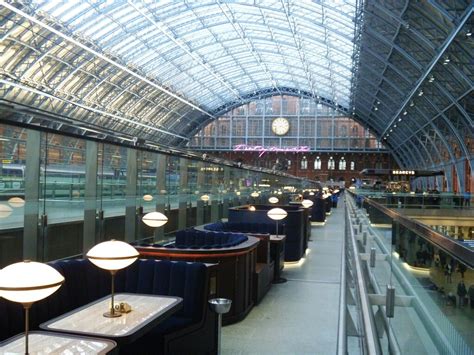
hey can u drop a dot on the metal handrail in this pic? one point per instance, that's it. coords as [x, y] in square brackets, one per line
[342, 333]
[370, 335]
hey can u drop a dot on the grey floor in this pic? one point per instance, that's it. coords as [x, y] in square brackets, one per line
[301, 315]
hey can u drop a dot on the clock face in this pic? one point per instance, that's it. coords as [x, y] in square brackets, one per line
[280, 126]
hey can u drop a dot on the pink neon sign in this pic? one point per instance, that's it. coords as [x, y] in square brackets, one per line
[263, 150]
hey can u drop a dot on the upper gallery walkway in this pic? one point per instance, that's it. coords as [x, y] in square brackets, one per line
[301, 315]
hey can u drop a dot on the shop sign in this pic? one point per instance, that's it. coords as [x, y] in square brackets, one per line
[403, 172]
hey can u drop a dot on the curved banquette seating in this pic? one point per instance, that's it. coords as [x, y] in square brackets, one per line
[245, 227]
[233, 268]
[191, 330]
[318, 211]
[294, 225]
[195, 239]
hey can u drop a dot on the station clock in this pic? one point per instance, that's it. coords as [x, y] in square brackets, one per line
[280, 126]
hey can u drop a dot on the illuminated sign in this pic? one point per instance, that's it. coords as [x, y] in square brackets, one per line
[262, 150]
[403, 172]
[210, 168]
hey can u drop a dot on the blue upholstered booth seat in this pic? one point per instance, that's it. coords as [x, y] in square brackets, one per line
[85, 283]
[257, 228]
[197, 239]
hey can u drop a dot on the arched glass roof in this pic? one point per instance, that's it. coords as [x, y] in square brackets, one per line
[162, 70]
[212, 52]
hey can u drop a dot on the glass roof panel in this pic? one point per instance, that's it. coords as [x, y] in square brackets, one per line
[182, 44]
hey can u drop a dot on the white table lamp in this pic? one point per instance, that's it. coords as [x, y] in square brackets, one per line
[307, 203]
[16, 202]
[112, 255]
[277, 214]
[147, 198]
[5, 211]
[155, 219]
[27, 282]
[273, 199]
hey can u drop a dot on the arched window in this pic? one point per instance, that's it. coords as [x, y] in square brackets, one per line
[355, 131]
[289, 163]
[317, 163]
[331, 164]
[342, 164]
[353, 165]
[343, 131]
[304, 163]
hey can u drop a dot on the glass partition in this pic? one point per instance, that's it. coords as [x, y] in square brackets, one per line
[67, 194]
[62, 191]
[12, 192]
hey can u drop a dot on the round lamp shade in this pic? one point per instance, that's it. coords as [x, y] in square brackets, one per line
[5, 211]
[254, 194]
[252, 208]
[277, 214]
[279, 193]
[155, 219]
[273, 199]
[16, 202]
[29, 281]
[112, 255]
[307, 203]
[205, 198]
[147, 198]
[311, 193]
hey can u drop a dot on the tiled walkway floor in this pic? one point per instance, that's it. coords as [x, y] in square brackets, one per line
[301, 315]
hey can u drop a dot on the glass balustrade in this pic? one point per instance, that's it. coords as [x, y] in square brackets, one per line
[432, 275]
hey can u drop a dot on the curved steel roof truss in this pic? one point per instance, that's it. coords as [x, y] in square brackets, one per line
[164, 69]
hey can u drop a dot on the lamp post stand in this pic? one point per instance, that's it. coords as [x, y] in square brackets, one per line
[111, 313]
[27, 307]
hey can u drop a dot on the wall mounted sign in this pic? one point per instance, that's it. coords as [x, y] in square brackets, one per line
[262, 150]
